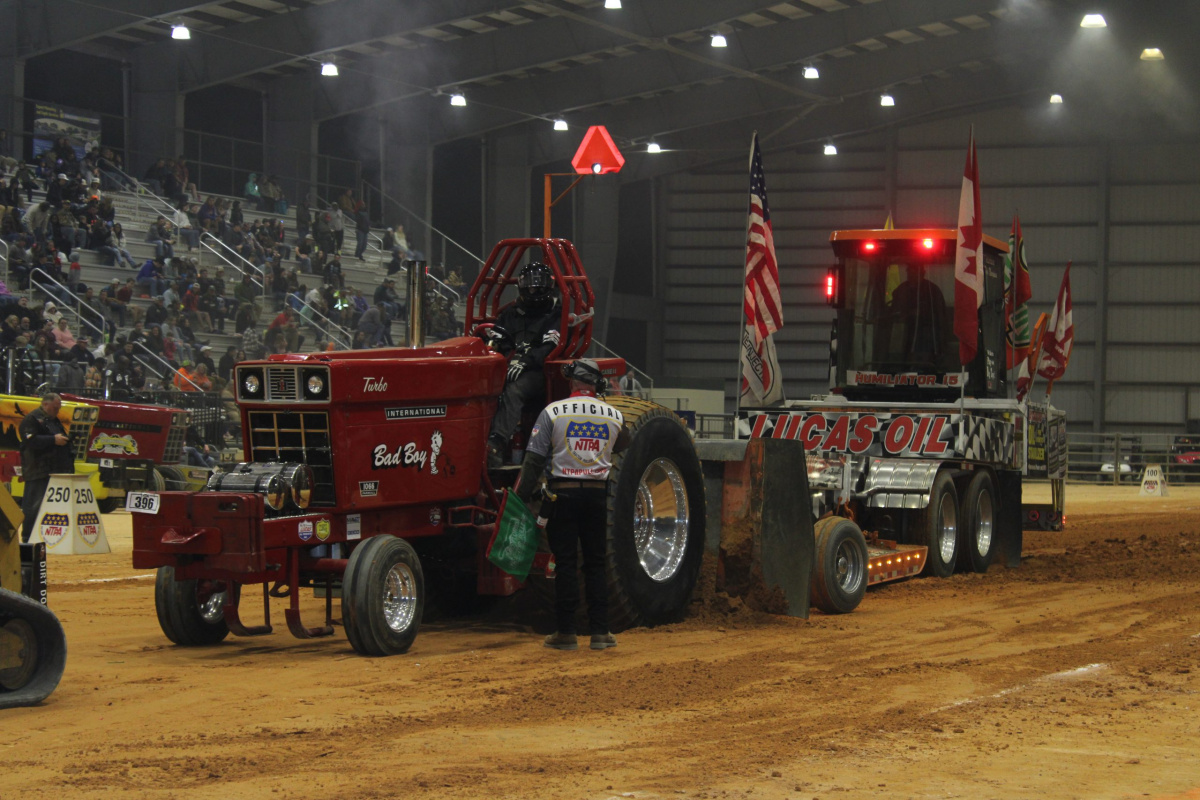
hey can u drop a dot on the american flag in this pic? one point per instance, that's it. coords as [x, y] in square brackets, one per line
[763, 306]
[763, 309]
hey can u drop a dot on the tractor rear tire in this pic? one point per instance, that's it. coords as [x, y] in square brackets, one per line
[936, 527]
[108, 505]
[173, 479]
[978, 531]
[157, 482]
[839, 580]
[655, 518]
[383, 596]
[190, 612]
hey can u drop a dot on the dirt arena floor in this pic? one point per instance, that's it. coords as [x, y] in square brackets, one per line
[1072, 677]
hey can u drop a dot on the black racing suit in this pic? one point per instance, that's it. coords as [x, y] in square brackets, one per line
[40, 457]
[534, 335]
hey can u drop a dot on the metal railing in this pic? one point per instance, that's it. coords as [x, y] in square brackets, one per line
[414, 217]
[1122, 458]
[70, 301]
[142, 194]
[330, 329]
[642, 376]
[5, 257]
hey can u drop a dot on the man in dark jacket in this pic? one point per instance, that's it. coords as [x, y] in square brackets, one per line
[528, 333]
[45, 450]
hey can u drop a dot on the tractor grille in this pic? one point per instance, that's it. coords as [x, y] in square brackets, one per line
[282, 384]
[80, 433]
[292, 436]
[173, 450]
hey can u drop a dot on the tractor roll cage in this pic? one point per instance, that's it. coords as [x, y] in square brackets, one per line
[501, 270]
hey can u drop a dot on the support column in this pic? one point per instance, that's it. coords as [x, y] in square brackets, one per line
[290, 136]
[12, 94]
[506, 188]
[156, 110]
[596, 225]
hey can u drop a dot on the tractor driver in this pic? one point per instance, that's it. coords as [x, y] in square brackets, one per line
[529, 334]
[920, 312]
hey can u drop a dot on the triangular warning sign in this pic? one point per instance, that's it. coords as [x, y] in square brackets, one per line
[597, 154]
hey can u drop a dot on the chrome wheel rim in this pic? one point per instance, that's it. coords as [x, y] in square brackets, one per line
[983, 524]
[947, 528]
[849, 567]
[400, 598]
[660, 520]
[212, 609]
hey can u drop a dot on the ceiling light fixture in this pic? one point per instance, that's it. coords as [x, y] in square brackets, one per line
[810, 73]
[1152, 54]
[612, 4]
[560, 124]
[653, 147]
[887, 100]
[457, 99]
[1093, 21]
[1056, 99]
[831, 149]
[718, 40]
[180, 32]
[329, 69]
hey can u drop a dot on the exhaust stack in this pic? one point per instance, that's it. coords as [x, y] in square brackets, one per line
[416, 302]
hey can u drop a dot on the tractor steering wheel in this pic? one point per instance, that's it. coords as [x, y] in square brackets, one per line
[492, 333]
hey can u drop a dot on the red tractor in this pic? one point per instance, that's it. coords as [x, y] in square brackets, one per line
[363, 464]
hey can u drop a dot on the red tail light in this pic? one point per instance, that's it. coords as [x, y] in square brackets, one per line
[831, 286]
[869, 247]
[928, 244]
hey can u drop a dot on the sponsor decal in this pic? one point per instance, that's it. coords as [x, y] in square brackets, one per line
[323, 529]
[374, 385]
[587, 440]
[89, 527]
[951, 379]
[903, 434]
[305, 529]
[107, 443]
[414, 412]
[435, 516]
[54, 528]
[408, 455]
[368, 488]
[353, 527]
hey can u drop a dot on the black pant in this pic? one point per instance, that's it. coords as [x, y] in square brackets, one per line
[527, 389]
[31, 503]
[577, 522]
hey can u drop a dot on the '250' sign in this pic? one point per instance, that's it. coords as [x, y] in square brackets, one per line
[930, 435]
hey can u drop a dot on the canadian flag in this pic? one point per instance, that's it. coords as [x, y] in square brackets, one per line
[968, 267]
[1060, 334]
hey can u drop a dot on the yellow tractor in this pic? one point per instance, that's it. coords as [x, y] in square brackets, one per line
[33, 648]
[77, 420]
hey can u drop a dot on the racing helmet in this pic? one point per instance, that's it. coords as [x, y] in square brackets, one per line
[535, 283]
[585, 370]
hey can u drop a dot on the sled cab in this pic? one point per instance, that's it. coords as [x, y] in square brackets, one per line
[894, 337]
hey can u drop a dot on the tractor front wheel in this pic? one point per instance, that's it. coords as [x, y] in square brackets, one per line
[191, 613]
[383, 596]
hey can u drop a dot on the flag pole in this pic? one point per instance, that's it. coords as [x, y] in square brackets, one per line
[741, 331]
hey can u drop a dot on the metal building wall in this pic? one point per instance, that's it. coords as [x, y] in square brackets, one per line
[1127, 215]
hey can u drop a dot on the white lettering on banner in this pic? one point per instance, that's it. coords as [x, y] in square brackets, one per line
[374, 384]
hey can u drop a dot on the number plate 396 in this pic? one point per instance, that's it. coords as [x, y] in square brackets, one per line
[142, 502]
